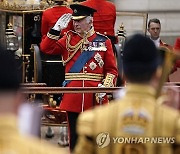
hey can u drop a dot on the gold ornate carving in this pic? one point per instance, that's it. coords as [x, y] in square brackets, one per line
[24, 6]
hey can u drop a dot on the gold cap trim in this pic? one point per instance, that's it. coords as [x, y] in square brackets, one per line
[78, 17]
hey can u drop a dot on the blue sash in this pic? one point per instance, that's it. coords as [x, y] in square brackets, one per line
[78, 65]
[82, 60]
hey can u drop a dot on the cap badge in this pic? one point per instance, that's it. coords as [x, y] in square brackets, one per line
[75, 11]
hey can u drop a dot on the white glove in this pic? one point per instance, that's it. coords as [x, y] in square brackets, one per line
[62, 22]
[99, 96]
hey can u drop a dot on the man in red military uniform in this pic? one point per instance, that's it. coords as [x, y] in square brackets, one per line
[88, 58]
[154, 29]
[51, 15]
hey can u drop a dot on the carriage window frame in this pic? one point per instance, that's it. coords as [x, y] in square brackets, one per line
[133, 16]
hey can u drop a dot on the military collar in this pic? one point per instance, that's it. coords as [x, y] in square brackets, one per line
[88, 33]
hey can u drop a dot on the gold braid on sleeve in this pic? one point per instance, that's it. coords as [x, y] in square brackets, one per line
[108, 82]
[72, 49]
[53, 37]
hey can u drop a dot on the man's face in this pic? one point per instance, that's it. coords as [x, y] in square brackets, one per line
[154, 30]
[81, 26]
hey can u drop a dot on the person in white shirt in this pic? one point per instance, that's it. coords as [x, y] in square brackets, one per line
[154, 29]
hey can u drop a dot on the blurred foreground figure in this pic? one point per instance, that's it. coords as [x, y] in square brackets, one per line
[170, 97]
[136, 123]
[29, 117]
[11, 142]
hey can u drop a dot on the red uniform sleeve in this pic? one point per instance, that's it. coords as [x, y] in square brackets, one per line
[177, 47]
[53, 46]
[49, 18]
[49, 46]
[44, 25]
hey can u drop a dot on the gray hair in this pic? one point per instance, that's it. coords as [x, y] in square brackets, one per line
[89, 19]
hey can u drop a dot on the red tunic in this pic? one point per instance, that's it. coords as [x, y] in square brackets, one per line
[105, 17]
[101, 66]
[163, 44]
[177, 44]
[177, 47]
[50, 16]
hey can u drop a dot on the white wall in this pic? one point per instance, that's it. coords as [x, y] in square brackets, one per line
[168, 11]
[147, 5]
